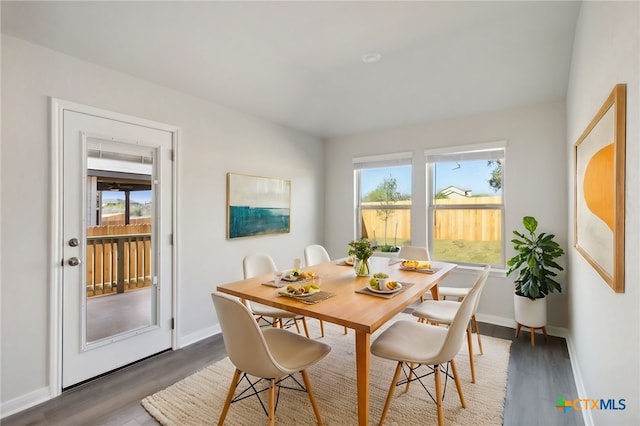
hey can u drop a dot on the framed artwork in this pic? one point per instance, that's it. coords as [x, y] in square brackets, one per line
[599, 190]
[257, 205]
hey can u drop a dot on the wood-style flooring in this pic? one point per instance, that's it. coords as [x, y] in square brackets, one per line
[537, 376]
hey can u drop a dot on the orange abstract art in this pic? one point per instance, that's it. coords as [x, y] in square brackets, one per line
[599, 190]
[598, 185]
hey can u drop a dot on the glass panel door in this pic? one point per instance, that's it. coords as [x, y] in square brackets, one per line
[120, 213]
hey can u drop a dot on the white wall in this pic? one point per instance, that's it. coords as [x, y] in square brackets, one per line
[604, 325]
[535, 175]
[214, 140]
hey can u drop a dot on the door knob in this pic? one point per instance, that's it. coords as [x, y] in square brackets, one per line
[74, 261]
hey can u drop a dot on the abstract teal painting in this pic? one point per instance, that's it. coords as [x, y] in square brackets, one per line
[257, 205]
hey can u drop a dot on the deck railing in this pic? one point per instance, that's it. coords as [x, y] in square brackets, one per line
[118, 258]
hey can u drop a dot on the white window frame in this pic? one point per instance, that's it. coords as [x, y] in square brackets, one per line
[464, 153]
[373, 162]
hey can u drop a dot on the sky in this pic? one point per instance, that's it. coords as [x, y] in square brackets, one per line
[472, 175]
[141, 197]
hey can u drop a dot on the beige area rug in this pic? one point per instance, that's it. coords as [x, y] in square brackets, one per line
[198, 399]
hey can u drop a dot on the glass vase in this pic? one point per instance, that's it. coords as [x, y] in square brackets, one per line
[361, 266]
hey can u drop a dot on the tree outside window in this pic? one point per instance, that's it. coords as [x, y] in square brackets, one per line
[385, 206]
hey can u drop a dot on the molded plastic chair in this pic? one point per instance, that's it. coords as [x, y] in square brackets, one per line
[262, 264]
[443, 312]
[414, 253]
[460, 293]
[272, 353]
[313, 255]
[410, 343]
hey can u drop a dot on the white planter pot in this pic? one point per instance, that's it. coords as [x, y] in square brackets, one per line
[532, 313]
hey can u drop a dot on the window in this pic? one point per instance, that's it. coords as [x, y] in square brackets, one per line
[383, 200]
[466, 204]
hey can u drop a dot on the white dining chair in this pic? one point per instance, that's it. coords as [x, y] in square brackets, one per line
[459, 293]
[269, 354]
[414, 253]
[443, 312]
[313, 255]
[262, 264]
[414, 344]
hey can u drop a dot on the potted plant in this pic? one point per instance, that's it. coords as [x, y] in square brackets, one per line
[536, 266]
[361, 250]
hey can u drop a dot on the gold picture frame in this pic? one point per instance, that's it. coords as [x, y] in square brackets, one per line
[600, 190]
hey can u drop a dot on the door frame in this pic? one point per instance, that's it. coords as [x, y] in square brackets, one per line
[57, 107]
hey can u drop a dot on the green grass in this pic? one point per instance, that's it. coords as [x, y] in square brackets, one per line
[468, 251]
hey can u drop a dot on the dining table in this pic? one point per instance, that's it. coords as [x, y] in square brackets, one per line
[350, 303]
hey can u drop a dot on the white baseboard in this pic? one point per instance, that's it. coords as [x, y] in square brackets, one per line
[577, 377]
[24, 401]
[510, 322]
[192, 338]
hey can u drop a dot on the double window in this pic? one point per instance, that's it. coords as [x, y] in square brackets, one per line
[383, 207]
[466, 204]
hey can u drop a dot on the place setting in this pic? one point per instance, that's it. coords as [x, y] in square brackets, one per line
[304, 286]
[418, 266]
[381, 286]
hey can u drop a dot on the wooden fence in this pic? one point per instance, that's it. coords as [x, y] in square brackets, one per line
[118, 219]
[118, 258]
[449, 224]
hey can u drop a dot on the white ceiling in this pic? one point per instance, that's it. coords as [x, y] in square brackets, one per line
[298, 63]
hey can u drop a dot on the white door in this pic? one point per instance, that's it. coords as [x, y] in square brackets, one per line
[117, 258]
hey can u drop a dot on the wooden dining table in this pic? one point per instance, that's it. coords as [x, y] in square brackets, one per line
[362, 312]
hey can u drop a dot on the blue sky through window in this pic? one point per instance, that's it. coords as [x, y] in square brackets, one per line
[473, 175]
[371, 178]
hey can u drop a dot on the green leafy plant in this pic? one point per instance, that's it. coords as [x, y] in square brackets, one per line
[361, 249]
[535, 261]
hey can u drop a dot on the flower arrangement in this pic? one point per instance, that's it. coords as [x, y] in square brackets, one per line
[362, 251]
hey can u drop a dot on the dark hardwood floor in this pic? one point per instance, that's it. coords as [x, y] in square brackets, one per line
[537, 377]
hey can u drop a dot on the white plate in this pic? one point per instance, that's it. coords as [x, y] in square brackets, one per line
[398, 288]
[284, 291]
[290, 278]
[348, 261]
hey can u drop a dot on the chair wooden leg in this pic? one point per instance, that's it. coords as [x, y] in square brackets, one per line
[470, 346]
[438, 380]
[454, 369]
[518, 329]
[312, 398]
[272, 402]
[306, 329]
[406, 388]
[295, 321]
[227, 402]
[475, 325]
[387, 403]
[321, 328]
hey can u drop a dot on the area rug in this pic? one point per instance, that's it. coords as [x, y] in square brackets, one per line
[198, 399]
